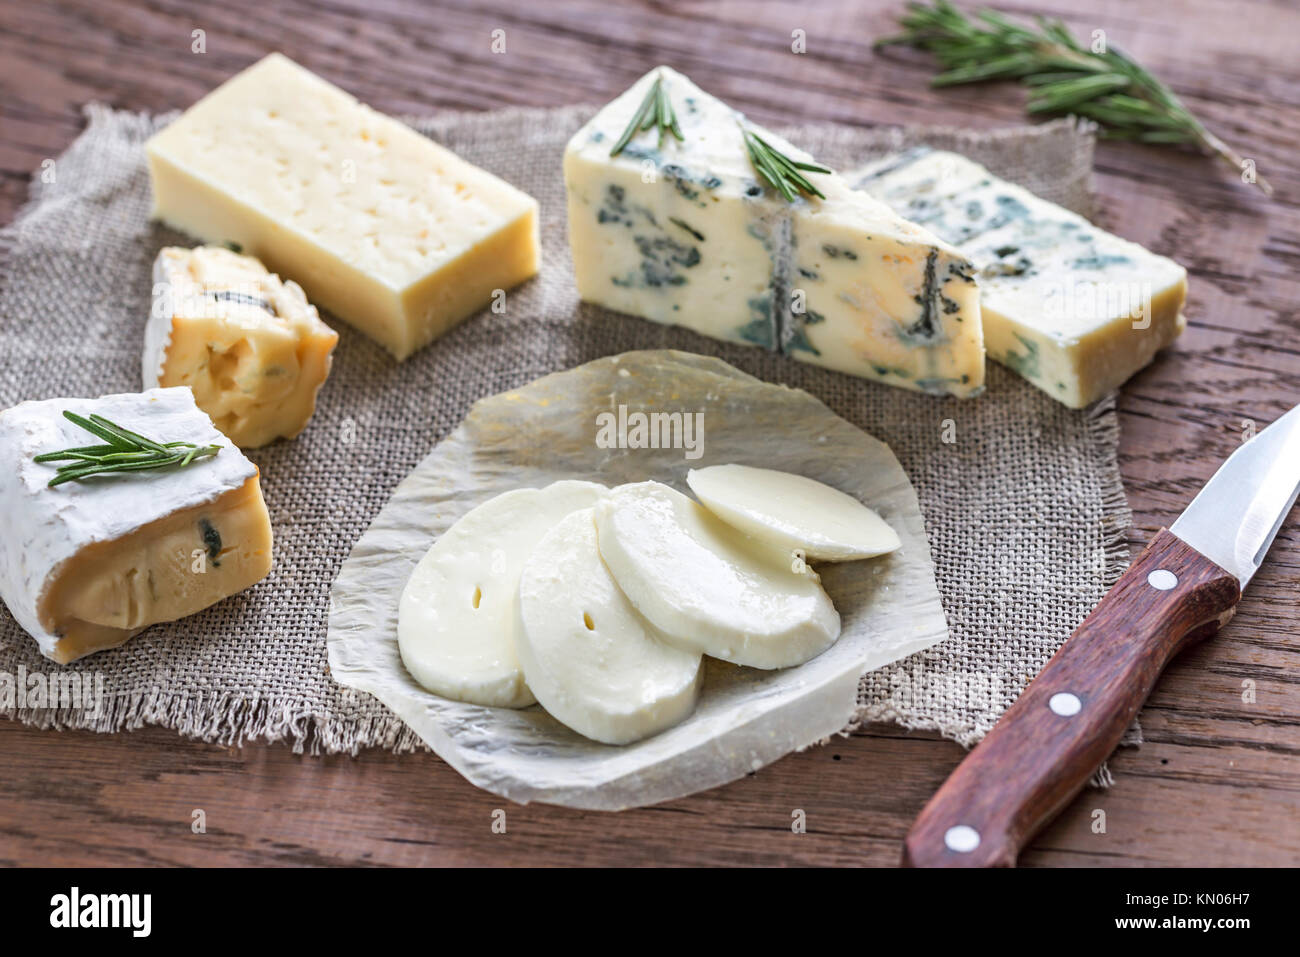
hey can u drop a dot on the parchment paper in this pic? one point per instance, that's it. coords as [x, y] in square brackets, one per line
[546, 431]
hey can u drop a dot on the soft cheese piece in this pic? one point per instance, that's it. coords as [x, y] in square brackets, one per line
[457, 625]
[1073, 309]
[592, 661]
[252, 348]
[382, 226]
[685, 233]
[86, 565]
[706, 586]
[793, 512]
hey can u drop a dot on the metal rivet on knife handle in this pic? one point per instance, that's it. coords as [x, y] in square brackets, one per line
[963, 839]
[1163, 579]
[1065, 704]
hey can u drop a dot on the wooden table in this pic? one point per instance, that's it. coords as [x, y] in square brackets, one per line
[1218, 780]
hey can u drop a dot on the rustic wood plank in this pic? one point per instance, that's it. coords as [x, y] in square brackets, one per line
[1216, 782]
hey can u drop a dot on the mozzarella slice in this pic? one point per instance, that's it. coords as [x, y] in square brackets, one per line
[593, 663]
[706, 586]
[457, 624]
[793, 512]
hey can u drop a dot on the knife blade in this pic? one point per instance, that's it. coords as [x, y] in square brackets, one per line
[1182, 588]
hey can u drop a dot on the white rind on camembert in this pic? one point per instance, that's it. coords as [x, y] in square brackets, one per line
[86, 565]
[252, 348]
[383, 227]
[1072, 308]
[686, 233]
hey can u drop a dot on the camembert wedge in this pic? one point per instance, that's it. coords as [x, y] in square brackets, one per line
[86, 565]
[685, 232]
[380, 225]
[1072, 308]
[252, 348]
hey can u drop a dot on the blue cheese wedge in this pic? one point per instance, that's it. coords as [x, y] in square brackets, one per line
[685, 233]
[252, 348]
[86, 565]
[1074, 309]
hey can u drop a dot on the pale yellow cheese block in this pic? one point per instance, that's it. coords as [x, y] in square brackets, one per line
[380, 225]
[252, 348]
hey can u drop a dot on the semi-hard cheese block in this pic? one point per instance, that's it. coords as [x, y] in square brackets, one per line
[88, 564]
[252, 348]
[685, 232]
[1072, 308]
[380, 225]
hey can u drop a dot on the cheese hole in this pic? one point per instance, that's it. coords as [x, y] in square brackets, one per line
[478, 596]
[586, 620]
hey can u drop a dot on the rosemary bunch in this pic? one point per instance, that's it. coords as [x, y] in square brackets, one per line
[656, 110]
[781, 173]
[125, 451]
[1064, 76]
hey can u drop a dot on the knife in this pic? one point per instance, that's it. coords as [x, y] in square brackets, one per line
[1182, 588]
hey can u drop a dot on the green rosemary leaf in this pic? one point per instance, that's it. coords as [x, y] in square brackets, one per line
[655, 110]
[1011, 66]
[1059, 97]
[113, 439]
[69, 453]
[1045, 79]
[778, 170]
[1165, 136]
[1064, 76]
[126, 436]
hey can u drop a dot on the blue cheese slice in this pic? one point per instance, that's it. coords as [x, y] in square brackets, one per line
[1074, 309]
[86, 565]
[685, 233]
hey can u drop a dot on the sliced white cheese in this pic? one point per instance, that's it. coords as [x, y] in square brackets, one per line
[793, 512]
[252, 348]
[1072, 308]
[86, 565]
[592, 661]
[382, 226]
[707, 586]
[457, 626]
[684, 232]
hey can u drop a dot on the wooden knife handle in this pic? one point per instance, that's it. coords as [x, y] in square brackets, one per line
[1072, 716]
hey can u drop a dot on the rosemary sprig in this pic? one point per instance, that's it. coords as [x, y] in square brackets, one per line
[125, 451]
[655, 110]
[781, 173]
[1109, 87]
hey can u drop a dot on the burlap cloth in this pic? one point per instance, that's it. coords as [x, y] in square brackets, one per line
[1022, 497]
